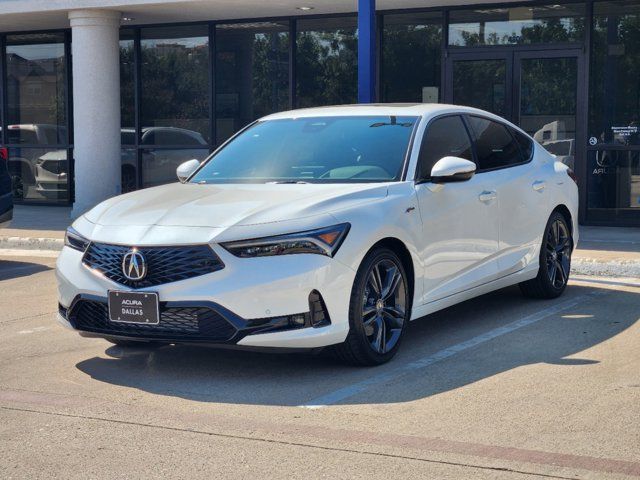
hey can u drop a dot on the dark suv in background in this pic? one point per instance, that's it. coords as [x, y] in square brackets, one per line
[6, 195]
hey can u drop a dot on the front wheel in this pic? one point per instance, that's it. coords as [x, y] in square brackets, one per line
[555, 261]
[379, 310]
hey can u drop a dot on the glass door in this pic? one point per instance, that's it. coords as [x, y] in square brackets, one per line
[542, 91]
[481, 81]
[546, 94]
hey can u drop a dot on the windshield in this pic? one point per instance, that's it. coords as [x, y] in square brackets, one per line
[314, 150]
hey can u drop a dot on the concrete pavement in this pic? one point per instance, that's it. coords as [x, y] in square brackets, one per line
[497, 387]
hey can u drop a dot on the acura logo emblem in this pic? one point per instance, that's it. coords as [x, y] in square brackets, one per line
[134, 265]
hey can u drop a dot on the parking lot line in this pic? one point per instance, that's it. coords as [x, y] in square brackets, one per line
[359, 387]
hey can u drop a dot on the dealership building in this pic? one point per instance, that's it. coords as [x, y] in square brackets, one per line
[99, 97]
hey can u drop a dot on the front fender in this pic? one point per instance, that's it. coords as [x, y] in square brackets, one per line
[395, 216]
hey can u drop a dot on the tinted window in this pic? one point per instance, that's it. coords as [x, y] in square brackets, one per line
[18, 135]
[36, 83]
[526, 145]
[165, 136]
[444, 137]
[318, 150]
[495, 147]
[517, 25]
[481, 84]
[411, 39]
[252, 73]
[175, 82]
[127, 90]
[159, 165]
[614, 113]
[327, 61]
[127, 137]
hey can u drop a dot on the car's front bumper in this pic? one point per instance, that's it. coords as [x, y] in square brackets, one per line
[251, 299]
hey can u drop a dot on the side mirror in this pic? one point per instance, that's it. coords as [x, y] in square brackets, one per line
[452, 169]
[185, 169]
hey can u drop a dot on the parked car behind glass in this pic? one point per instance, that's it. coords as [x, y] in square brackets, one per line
[51, 169]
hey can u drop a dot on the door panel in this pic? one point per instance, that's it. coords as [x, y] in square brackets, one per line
[546, 89]
[523, 210]
[461, 236]
[542, 89]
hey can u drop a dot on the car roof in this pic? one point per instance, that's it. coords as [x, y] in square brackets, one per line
[385, 109]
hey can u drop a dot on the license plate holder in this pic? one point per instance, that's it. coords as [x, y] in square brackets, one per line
[141, 308]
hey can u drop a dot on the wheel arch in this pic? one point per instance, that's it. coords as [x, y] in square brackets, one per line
[398, 247]
[563, 210]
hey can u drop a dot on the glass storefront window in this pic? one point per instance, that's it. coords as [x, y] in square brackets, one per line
[129, 167]
[481, 84]
[159, 165]
[614, 104]
[613, 183]
[175, 79]
[517, 25]
[252, 73]
[127, 88]
[548, 104]
[326, 61]
[411, 39]
[35, 83]
[39, 174]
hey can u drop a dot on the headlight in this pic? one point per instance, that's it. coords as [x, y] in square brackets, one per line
[323, 241]
[74, 240]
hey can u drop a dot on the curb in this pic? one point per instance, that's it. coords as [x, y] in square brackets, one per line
[31, 243]
[611, 268]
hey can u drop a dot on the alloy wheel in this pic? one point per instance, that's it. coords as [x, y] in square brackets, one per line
[558, 249]
[384, 305]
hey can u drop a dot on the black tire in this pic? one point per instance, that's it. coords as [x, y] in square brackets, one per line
[555, 260]
[387, 318]
[17, 186]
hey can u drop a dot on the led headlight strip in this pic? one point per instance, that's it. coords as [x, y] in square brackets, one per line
[74, 240]
[322, 241]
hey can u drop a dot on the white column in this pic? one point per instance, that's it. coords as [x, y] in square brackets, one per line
[96, 106]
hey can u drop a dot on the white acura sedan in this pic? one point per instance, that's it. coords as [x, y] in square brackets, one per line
[325, 227]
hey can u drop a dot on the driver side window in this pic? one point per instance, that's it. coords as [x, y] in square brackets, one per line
[446, 136]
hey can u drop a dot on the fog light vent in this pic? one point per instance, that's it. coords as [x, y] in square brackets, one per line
[318, 310]
[297, 320]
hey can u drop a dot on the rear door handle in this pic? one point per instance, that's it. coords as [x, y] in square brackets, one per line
[539, 185]
[487, 196]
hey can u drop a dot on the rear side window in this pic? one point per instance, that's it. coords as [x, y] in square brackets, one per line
[495, 147]
[525, 143]
[17, 135]
[446, 136]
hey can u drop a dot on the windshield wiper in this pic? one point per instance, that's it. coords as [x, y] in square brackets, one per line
[287, 181]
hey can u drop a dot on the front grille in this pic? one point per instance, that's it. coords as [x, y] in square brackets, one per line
[195, 323]
[164, 264]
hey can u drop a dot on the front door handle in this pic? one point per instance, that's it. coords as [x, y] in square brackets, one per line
[487, 196]
[539, 185]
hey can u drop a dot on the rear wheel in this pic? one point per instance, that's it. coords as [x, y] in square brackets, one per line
[378, 312]
[555, 261]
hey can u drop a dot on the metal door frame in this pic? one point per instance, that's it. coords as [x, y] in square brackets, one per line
[513, 55]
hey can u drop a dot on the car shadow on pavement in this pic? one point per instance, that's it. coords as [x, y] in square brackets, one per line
[237, 377]
[10, 269]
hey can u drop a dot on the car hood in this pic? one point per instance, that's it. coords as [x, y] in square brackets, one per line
[228, 205]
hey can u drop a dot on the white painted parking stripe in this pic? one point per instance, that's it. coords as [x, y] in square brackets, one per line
[13, 252]
[617, 281]
[359, 387]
